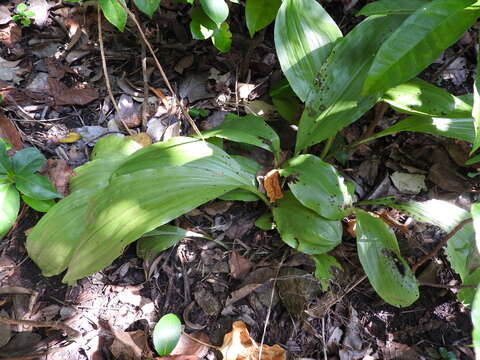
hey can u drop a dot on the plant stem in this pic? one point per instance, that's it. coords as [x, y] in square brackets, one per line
[327, 147]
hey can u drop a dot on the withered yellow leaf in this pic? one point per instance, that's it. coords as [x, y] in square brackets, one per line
[271, 183]
[70, 138]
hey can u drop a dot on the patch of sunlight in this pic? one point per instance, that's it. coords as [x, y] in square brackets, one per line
[442, 124]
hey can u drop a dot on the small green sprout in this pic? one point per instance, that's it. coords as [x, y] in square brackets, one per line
[23, 15]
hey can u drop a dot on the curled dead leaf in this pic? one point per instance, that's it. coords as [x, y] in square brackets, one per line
[271, 183]
[238, 345]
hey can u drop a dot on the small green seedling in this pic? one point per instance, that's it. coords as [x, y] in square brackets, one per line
[166, 334]
[18, 179]
[23, 15]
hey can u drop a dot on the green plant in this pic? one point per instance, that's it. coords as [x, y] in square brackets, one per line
[339, 78]
[23, 15]
[166, 334]
[18, 179]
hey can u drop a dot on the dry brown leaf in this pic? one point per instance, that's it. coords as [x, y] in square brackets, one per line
[130, 345]
[271, 183]
[238, 345]
[59, 174]
[10, 34]
[9, 131]
[241, 293]
[64, 95]
[189, 347]
[239, 265]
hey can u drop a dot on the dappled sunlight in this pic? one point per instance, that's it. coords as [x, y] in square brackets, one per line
[442, 124]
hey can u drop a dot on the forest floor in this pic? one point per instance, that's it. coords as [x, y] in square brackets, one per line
[52, 82]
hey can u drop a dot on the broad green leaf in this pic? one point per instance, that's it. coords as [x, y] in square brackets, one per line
[54, 239]
[201, 26]
[239, 195]
[303, 229]
[265, 222]
[475, 211]
[248, 129]
[467, 294]
[217, 10]
[378, 251]
[114, 145]
[222, 38]
[260, 13]
[9, 206]
[109, 152]
[28, 160]
[286, 103]
[35, 186]
[5, 161]
[324, 265]
[114, 13]
[418, 97]
[38, 205]
[336, 100]
[440, 213]
[449, 127]
[317, 185]
[418, 42]
[304, 37]
[152, 187]
[147, 6]
[476, 322]
[166, 334]
[476, 108]
[154, 242]
[462, 252]
[392, 7]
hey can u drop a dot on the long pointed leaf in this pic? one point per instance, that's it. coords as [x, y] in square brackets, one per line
[9, 206]
[476, 108]
[418, 97]
[336, 101]
[476, 322]
[304, 37]
[260, 13]
[248, 129]
[152, 187]
[387, 271]
[461, 129]
[418, 42]
[162, 238]
[389, 7]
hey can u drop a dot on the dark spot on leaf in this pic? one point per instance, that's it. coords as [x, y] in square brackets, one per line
[395, 260]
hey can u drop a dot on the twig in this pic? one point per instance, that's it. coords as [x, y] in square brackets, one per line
[267, 318]
[105, 71]
[145, 87]
[380, 110]
[50, 324]
[160, 68]
[440, 245]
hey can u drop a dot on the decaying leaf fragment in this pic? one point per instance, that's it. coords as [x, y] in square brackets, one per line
[238, 345]
[271, 183]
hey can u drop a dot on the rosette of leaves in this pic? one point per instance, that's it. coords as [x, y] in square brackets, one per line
[18, 179]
